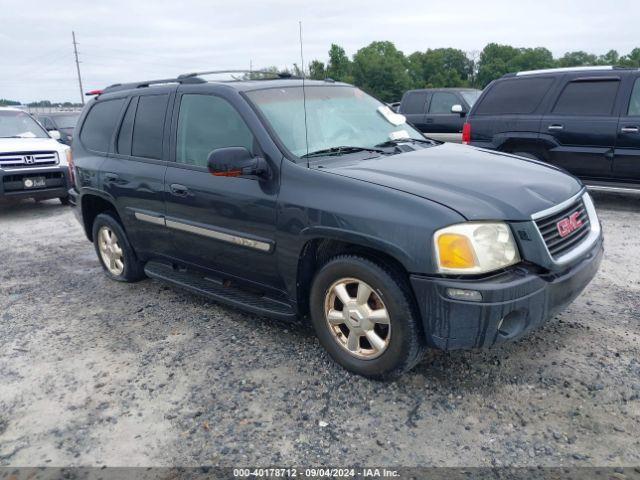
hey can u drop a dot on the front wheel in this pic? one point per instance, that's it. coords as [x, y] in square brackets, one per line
[118, 259]
[364, 316]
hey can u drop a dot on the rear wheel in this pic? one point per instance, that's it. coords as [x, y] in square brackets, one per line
[118, 259]
[363, 315]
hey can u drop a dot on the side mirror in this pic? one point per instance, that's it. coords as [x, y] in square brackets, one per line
[55, 134]
[458, 109]
[236, 162]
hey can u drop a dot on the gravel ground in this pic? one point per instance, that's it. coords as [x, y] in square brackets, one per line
[94, 372]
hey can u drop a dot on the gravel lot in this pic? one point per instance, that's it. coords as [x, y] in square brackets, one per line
[94, 372]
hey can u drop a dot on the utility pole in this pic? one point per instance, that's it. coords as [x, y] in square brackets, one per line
[75, 52]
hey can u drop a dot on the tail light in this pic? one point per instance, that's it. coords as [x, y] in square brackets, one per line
[72, 175]
[466, 133]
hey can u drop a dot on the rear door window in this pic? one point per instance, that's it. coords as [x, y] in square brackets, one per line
[515, 96]
[415, 102]
[441, 102]
[148, 126]
[205, 123]
[587, 98]
[634, 102]
[100, 123]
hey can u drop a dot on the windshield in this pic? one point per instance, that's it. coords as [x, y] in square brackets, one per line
[470, 96]
[66, 121]
[19, 125]
[337, 116]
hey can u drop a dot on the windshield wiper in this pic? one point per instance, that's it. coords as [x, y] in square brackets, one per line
[391, 143]
[340, 151]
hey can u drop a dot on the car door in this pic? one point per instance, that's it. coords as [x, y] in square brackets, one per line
[582, 124]
[133, 174]
[439, 117]
[414, 107]
[225, 224]
[626, 163]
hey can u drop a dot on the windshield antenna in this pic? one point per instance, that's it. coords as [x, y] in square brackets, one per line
[304, 94]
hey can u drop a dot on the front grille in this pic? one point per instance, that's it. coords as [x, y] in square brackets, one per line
[548, 227]
[28, 159]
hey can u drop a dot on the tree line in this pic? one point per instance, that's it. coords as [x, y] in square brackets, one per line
[386, 72]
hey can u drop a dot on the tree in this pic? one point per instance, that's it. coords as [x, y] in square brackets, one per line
[496, 60]
[381, 69]
[441, 67]
[632, 60]
[8, 103]
[317, 70]
[577, 59]
[339, 65]
[610, 58]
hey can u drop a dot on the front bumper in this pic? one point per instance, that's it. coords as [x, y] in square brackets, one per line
[513, 303]
[56, 178]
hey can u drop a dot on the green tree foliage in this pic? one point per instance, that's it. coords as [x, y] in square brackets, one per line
[384, 71]
[381, 70]
[8, 103]
[317, 70]
[441, 67]
[577, 59]
[339, 67]
[496, 60]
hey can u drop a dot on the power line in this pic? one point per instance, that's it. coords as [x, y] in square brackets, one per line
[75, 52]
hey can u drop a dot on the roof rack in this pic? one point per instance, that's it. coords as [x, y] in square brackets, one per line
[188, 78]
[566, 69]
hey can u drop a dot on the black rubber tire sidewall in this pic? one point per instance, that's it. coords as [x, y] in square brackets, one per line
[406, 344]
[133, 270]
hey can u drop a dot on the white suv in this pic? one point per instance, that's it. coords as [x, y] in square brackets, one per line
[32, 163]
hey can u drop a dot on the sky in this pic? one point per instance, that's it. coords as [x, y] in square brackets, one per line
[129, 40]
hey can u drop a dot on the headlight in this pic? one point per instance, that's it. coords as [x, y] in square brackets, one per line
[475, 247]
[64, 157]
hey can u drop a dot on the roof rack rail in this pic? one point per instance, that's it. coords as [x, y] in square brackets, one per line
[594, 68]
[185, 76]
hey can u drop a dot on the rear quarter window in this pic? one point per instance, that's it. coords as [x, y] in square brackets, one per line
[100, 123]
[587, 98]
[514, 96]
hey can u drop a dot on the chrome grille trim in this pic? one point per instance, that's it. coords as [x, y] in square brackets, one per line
[28, 160]
[579, 241]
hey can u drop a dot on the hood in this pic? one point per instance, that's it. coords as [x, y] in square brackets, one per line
[479, 184]
[11, 145]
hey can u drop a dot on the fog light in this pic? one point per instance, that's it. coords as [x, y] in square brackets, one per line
[467, 295]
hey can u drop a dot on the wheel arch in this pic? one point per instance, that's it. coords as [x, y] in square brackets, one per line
[317, 251]
[92, 205]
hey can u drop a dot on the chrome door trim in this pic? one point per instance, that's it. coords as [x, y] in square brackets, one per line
[220, 235]
[156, 220]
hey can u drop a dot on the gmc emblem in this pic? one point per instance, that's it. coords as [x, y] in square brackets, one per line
[569, 224]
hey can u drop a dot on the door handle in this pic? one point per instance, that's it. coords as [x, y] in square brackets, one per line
[179, 190]
[111, 177]
[629, 130]
[555, 126]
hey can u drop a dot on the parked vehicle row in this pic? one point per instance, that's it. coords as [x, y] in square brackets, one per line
[388, 242]
[585, 120]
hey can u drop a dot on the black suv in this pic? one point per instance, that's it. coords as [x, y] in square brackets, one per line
[585, 120]
[387, 241]
[438, 110]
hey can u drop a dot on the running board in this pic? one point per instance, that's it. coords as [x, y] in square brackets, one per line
[217, 291]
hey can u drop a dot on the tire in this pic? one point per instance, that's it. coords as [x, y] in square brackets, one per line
[126, 267]
[64, 200]
[403, 341]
